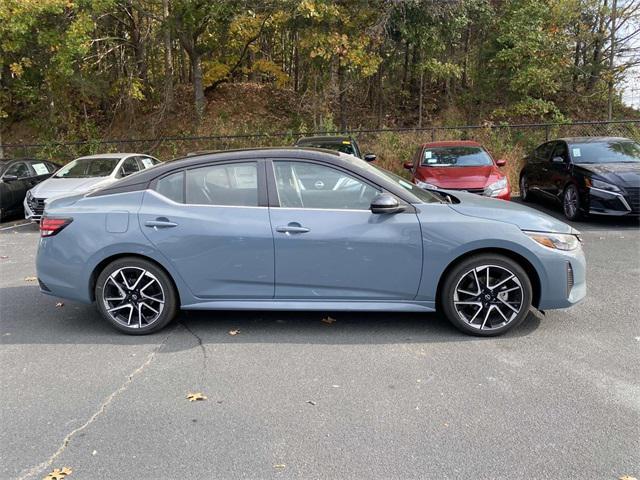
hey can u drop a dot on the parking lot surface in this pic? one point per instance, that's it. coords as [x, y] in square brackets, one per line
[290, 396]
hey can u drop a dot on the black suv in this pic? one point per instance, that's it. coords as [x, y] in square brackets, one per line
[587, 175]
[341, 144]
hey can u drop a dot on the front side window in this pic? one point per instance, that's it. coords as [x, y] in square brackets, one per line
[234, 184]
[455, 157]
[88, 167]
[20, 170]
[309, 185]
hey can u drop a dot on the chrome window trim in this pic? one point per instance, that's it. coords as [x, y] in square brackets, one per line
[150, 190]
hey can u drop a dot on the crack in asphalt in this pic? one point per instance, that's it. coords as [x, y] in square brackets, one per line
[101, 409]
[202, 348]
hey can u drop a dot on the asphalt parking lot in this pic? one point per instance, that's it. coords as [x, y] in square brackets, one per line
[290, 396]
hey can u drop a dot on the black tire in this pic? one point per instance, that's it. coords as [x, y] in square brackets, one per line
[139, 301]
[525, 195]
[571, 205]
[494, 321]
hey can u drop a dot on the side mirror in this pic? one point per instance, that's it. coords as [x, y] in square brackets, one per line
[501, 163]
[408, 165]
[557, 160]
[386, 203]
[10, 178]
[369, 157]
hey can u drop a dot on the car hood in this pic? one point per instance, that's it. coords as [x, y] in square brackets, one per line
[53, 187]
[458, 177]
[524, 217]
[621, 174]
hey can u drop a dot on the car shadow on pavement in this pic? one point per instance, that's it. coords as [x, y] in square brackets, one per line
[39, 321]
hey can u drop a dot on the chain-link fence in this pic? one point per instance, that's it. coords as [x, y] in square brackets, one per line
[393, 146]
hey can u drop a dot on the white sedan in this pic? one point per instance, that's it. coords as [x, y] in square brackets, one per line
[82, 175]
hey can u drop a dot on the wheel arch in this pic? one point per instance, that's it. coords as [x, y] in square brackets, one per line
[526, 265]
[106, 261]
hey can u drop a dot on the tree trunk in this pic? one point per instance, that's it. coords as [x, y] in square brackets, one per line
[596, 64]
[420, 99]
[612, 54]
[168, 58]
[198, 89]
[341, 98]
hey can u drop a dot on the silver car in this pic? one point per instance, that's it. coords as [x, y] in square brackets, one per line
[82, 175]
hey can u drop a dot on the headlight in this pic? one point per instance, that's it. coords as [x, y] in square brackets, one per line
[556, 241]
[592, 182]
[426, 185]
[496, 188]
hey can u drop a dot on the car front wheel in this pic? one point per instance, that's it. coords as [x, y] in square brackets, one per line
[571, 203]
[135, 296]
[486, 295]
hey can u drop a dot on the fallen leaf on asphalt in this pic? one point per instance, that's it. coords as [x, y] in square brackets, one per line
[58, 473]
[311, 402]
[59, 304]
[30, 279]
[279, 465]
[627, 477]
[328, 320]
[234, 331]
[194, 397]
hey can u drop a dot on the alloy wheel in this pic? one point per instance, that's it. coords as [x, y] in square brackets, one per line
[488, 297]
[133, 297]
[570, 201]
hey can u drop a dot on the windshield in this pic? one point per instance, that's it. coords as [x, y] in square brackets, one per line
[618, 151]
[455, 157]
[88, 167]
[422, 196]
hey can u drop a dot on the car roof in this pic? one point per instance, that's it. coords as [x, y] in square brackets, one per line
[141, 180]
[452, 143]
[120, 155]
[324, 139]
[593, 139]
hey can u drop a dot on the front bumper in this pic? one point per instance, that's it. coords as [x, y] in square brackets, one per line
[33, 208]
[604, 202]
[566, 279]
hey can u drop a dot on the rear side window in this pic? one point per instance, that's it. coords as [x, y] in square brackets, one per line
[234, 184]
[172, 187]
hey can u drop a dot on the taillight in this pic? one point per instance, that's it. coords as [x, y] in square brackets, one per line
[51, 226]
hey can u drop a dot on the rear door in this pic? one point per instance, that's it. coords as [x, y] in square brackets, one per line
[328, 244]
[212, 223]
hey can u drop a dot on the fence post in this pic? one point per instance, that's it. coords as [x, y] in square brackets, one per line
[433, 134]
[547, 132]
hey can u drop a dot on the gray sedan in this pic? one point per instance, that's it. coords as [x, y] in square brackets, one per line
[293, 229]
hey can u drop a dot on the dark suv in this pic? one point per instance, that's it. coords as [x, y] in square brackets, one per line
[587, 175]
[341, 144]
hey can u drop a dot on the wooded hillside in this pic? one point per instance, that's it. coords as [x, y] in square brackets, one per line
[74, 69]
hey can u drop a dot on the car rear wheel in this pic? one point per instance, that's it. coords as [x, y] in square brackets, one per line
[486, 295]
[525, 196]
[135, 296]
[571, 202]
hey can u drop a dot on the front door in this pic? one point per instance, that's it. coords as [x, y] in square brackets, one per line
[209, 223]
[328, 244]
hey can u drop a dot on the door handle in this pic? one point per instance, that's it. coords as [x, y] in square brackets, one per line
[293, 227]
[160, 222]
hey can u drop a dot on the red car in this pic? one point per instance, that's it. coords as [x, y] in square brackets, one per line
[459, 165]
